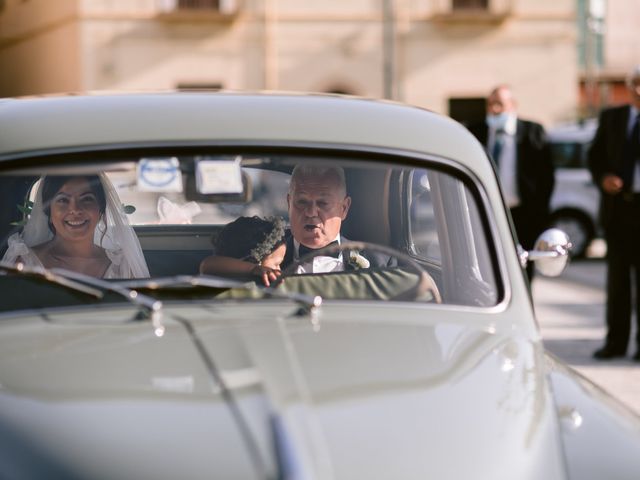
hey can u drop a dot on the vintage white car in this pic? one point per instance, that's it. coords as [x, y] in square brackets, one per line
[428, 366]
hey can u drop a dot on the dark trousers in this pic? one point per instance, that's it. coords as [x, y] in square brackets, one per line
[623, 261]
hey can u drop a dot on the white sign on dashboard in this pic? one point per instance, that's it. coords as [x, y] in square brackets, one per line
[219, 176]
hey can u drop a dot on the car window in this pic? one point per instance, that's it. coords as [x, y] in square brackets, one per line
[570, 144]
[569, 154]
[566, 155]
[424, 236]
[421, 233]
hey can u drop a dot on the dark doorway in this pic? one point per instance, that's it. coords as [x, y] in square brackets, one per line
[204, 4]
[467, 110]
[470, 4]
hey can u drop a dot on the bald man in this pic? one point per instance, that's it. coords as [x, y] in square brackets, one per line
[522, 158]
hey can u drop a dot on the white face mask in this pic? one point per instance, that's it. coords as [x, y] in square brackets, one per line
[497, 121]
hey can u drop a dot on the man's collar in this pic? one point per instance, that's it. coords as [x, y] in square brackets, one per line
[296, 246]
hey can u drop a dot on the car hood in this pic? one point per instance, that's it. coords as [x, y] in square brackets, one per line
[263, 390]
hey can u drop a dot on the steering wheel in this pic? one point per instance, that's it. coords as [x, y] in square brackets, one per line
[425, 284]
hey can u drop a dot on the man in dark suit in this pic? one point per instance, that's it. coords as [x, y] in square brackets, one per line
[318, 204]
[613, 161]
[522, 158]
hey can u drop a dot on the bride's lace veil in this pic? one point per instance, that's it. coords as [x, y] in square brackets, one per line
[113, 233]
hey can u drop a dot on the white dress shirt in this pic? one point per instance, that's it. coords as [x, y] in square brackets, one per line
[320, 264]
[507, 162]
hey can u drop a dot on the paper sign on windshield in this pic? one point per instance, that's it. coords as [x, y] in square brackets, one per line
[219, 176]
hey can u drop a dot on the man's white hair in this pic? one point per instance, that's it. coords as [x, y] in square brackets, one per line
[315, 171]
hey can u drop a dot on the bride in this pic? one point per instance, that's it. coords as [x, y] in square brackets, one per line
[78, 223]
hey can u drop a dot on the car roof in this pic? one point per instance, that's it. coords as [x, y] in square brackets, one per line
[72, 121]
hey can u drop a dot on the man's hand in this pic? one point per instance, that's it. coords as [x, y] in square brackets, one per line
[266, 274]
[612, 184]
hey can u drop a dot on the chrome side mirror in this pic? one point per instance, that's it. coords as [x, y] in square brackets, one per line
[550, 252]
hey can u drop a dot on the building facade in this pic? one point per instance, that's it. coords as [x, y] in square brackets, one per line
[444, 55]
[609, 47]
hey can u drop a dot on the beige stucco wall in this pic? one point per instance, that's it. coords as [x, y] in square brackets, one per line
[321, 56]
[39, 47]
[532, 48]
[538, 59]
[622, 41]
[149, 55]
[319, 46]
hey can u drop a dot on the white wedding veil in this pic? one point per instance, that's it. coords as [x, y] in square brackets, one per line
[113, 233]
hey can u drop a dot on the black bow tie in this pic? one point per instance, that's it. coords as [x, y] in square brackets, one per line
[302, 250]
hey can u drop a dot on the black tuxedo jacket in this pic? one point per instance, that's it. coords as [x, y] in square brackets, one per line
[376, 259]
[607, 154]
[534, 171]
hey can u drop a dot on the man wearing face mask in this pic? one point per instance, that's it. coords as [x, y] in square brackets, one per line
[522, 158]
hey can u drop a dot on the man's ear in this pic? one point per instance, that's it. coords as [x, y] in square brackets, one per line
[288, 201]
[346, 203]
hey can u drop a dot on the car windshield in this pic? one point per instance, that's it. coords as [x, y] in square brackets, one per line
[389, 228]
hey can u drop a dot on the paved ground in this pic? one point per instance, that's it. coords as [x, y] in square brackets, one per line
[570, 310]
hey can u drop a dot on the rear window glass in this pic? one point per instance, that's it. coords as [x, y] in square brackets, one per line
[569, 154]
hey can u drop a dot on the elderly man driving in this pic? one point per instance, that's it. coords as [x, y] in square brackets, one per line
[318, 203]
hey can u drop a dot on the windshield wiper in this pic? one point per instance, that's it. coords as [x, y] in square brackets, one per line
[307, 301]
[79, 282]
[151, 306]
[184, 281]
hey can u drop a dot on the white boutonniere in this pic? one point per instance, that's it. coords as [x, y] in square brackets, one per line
[358, 261]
